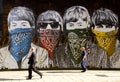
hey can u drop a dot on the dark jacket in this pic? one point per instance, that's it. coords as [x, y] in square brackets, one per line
[32, 59]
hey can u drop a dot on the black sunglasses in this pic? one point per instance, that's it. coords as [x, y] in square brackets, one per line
[52, 24]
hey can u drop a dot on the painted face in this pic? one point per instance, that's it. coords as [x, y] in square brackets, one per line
[49, 32]
[20, 35]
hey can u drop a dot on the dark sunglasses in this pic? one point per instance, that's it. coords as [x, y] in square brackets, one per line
[52, 24]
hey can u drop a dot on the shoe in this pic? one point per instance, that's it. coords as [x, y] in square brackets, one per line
[83, 71]
[41, 75]
[28, 78]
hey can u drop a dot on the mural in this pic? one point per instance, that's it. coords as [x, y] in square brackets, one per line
[21, 24]
[49, 27]
[59, 40]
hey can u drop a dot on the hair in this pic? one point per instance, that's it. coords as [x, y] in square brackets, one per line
[104, 16]
[21, 13]
[83, 48]
[50, 15]
[76, 12]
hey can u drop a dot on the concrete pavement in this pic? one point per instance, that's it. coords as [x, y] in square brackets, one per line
[62, 76]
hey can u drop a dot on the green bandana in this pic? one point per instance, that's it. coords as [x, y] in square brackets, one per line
[77, 39]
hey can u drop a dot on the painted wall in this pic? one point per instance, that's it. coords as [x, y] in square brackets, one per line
[58, 39]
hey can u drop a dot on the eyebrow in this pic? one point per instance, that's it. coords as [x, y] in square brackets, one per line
[23, 22]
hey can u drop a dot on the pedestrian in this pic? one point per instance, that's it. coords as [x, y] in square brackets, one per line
[32, 62]
[84, 58]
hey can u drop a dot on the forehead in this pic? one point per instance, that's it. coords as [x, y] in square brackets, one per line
[49, 17]
[77, 15]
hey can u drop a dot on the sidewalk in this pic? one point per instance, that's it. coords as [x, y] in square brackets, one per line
[62, 76]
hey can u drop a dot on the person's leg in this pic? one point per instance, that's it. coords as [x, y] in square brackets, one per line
[36, 71]
[30, 72]
[83, 65]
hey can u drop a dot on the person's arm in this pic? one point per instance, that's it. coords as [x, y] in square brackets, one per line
[84, 55]
[35, 57]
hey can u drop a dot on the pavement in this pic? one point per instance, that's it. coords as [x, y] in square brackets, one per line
[62, 76]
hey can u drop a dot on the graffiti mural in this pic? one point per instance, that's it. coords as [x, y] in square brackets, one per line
[60, 38]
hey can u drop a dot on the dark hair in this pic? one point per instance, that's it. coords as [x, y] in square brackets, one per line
[104, 16]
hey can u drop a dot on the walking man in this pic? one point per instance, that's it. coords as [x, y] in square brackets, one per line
[83, 62]
[32, 61]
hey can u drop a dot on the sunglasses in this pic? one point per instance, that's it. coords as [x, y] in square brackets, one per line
[52, 24]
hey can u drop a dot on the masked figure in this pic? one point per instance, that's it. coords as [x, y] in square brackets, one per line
[20, 35]
[49, 27]
[21, 26]
[105, 30]
[77, 21]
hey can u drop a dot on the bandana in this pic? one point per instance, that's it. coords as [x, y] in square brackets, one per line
[106, 40]
[49, 39]
[20, 42]
[77, 39]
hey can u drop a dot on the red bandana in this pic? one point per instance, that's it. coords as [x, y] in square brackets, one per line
[48, 39]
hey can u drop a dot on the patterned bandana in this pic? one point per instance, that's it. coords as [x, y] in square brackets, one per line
[76, 39]
[20, 42]
[106, 40]
[48, 39]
